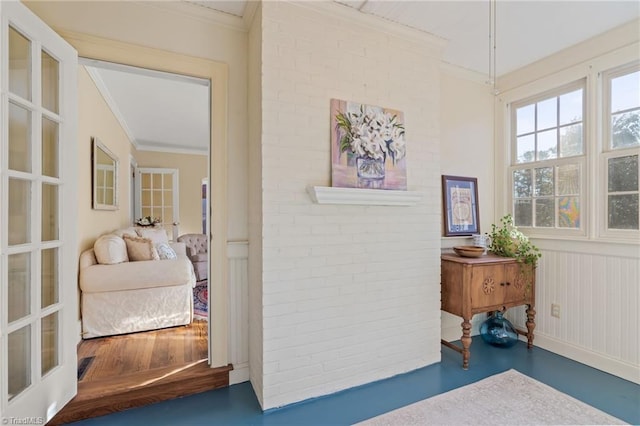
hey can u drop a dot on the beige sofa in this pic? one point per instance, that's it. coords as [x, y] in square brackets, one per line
[135, 296]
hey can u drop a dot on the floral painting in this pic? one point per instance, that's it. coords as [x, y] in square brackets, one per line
[368, 148]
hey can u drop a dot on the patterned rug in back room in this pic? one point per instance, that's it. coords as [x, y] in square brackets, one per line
[200, 298]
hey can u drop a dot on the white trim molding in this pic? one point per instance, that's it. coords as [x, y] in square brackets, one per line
[238, 252]
[360, 196]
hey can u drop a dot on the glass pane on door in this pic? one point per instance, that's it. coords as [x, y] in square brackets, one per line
[49, 212]
[19, 360]
[19, 64]
[49, 148]
[19, 138]
[19, 211]
[19, 291]
[49, 342]
[49, 82]
[49, 277]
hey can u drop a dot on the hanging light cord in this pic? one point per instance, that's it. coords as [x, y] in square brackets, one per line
[492, 45]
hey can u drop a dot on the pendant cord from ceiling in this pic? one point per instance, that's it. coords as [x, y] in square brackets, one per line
[492, 46]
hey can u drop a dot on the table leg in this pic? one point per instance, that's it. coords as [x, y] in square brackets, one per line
[466, 342]
[531, 325]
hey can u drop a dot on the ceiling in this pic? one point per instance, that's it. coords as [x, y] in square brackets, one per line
[164, 113]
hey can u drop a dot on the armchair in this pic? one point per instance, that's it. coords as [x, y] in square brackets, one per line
[196, 245]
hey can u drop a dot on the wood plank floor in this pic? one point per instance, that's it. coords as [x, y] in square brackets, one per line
[142, 368]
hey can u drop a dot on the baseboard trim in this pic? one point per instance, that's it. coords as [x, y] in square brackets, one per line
[239, 374]
[593, 359]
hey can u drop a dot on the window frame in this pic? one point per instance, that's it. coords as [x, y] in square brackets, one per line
[580, 160]
[607, 152]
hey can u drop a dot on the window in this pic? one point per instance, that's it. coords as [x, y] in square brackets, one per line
[620, 154]
[548, 147]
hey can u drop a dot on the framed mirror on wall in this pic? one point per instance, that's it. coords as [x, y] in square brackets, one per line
[105, 177]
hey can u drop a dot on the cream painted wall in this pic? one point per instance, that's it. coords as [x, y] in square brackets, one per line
[95, 119]
[187, 35]
[255, 205]
[466, 117]
[191, 170]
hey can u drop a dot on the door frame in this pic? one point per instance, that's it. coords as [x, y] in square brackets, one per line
[217, 73]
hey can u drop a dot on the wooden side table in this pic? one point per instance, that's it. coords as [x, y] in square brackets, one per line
[488, 283]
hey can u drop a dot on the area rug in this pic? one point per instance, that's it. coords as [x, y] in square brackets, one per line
[200, 300]
[508, 398]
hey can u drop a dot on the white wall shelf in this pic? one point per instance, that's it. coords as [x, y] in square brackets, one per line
[360, 196]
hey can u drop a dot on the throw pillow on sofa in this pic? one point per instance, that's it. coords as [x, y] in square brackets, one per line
[165, 251]
[157, 235]
[140, 248]
[110, 249]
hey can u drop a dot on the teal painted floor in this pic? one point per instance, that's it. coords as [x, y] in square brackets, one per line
[237, 405]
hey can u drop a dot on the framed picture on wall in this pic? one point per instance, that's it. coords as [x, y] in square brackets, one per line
[460, 206]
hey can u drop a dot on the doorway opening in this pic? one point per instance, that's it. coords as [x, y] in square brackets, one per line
[160, 357]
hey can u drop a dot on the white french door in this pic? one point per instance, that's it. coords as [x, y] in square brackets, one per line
[38, 208]
[157, 195]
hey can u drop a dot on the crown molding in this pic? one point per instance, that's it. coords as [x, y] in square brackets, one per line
[106, 95]
[143, 145]
[353, 16]
[201, 13]
[250, 13]
[465, 73]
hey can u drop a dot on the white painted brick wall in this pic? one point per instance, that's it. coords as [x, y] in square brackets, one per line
[350, 294]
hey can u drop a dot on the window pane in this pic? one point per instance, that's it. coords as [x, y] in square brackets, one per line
[625, 129]
[544, 181]
[146, 180]
[19, 294]
[19, 138]
[19, 211]
[522, 183]
[523, 213]
[623, 174]
[623, 211]
[49, 276]
[19, 361]
[525, 119]
[168, 181]
[157, 197]
[49, 148]
[49, 336]
[49, 82]
[568, 179]
[625, 92]
[569, 212]
[547, 145]
[157, 180]
[526, 149]
[146, 197]
[571, 107]
[547, 114]
[167, 217]
[545, 212]
[19, 64]
[571, 140]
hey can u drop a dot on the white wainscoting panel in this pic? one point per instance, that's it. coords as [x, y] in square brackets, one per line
[238, 253]
[599, 298]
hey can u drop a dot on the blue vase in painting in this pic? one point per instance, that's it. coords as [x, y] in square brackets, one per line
[498, 331]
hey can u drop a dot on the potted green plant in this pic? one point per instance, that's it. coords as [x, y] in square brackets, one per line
[508, 241]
